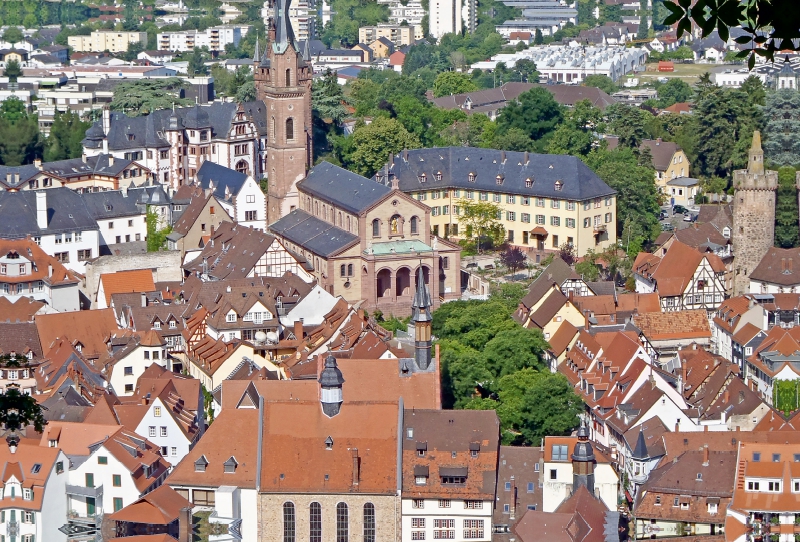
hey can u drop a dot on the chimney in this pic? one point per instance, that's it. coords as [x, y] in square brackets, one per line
[405, 155]
[526, 159]
[513, 506]
[705, 455]
[106, 120]
[38, 163]
[110, 160]
[355, 467]
[678, 426]
[83, 157]
[144, 300]
[41, 209]
[586, 319]
[705, 429]
[726, 396]
[683, 378]
[298, 329]
[502, 157]
[50, 270]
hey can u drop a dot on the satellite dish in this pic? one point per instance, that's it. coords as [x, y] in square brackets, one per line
[272, 336]
[261, 336]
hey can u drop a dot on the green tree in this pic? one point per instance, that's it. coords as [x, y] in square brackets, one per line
[20, 140]
[12, 71]
[13, 35]
[66, 136]
[673, 91]
[156, 237]
[603, 82]
[143, 96]
[786, 212]
[19, 410]
[576, 135]
[535, 112]
[628, 123]
[538, 39]
[327, 97]
[782, 115]
[587, 268]
[637, 195]
[753, 87]
[372, 144]
[246, 92]
[448, 83]
[704, 85]
[481, 219]
[197, 64]
[514, 349]
[726, 119]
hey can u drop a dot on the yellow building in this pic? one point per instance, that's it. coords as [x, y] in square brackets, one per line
[668, 159]
[397, 34]
[106, 40]
[546, 200]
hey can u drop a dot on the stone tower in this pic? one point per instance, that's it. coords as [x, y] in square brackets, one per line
[283, 81]
[753, 215]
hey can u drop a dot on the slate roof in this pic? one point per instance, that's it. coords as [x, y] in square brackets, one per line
[226, 181]
[66, 211]
[343, 188]
[111, 204]
[145, 129]
[778, 267]
[76, 167]
[578, 182]
[258, 113]
[313, 234]
[14, 176]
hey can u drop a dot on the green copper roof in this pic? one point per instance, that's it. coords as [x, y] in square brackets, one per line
[398, 247]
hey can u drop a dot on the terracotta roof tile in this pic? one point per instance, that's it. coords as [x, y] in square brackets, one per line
[90, 328]
[662, 326]
[139, 280]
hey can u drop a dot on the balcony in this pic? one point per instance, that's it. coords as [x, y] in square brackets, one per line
[599, 228]
[82, 491]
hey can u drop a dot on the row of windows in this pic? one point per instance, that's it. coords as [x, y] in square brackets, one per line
[513, 199]
[525, 218]
[67, 237]
[24, 515]
[419, 523]
[395, 225]
[24, 287]
[315, 522]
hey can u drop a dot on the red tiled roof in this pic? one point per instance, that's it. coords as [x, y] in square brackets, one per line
[139, 281]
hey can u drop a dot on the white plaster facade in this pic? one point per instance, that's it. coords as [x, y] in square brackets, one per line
[427, 517]
[126, 370]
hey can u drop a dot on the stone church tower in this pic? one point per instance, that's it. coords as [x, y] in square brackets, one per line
[753, 215]
[283, 81]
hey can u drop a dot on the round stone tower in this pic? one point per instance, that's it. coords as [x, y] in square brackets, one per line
[753, 215]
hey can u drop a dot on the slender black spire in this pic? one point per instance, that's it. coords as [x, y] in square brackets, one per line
[283, 27]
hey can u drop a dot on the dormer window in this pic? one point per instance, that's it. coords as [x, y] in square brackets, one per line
[528, 182]
[471, 177]
[230, 465]
[558, 186]
[422, 178]
[156, 325]
[438, 175]
[201, 464]
[231, 317]
[499, 179]
[329, 443]
[422, 447]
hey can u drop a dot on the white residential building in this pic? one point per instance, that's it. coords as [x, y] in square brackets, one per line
[215, 38]
[130, 363]
[444, 17]
[238, 193]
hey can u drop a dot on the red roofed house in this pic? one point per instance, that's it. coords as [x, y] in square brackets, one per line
[684, 278]
[663, 333]
[135, 281]
[396, 60]
[731, 318]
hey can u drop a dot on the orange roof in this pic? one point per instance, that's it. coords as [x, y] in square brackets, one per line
[564, 335]
[159, 507]
[125, 282]
[662, 326]
[23, 309]
[45, 267]
[90, 328]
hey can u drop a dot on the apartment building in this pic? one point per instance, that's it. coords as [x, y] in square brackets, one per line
[215, 38]
[106, 40]
[546, 200]
[400, 35]
[444, 17]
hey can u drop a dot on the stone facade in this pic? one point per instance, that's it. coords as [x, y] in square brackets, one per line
[283, 82]
[753, 215]
[387, 516]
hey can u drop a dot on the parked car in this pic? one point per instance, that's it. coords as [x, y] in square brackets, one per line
[687, 217]
[663, 215]
[667, 227]
[679, 210]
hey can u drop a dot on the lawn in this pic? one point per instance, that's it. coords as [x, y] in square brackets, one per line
[687, 72]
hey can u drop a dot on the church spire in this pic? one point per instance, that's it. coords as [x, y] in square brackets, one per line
[256, 58]
[283, 27]
[421, 317]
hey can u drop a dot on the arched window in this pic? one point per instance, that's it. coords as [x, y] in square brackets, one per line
[414, 225]
[342, 523]
[349, 270]
[342, 271]
[274, 133]
[376, 228]
[288, 77]
[348, 223]
[289, 129]
[395, 226]
[340, 219]
[324, 212]
[369, 522]
[315, 522]
[288, 522]
[241, 166]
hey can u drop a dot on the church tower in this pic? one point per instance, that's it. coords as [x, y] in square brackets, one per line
[753, 215]
[422, 319]
[583, 461]
[283, 81]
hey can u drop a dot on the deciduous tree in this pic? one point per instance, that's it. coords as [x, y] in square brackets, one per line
[482, 219]
[448, 83]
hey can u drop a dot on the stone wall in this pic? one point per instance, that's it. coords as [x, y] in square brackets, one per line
[753, 223]
[166, 266]
[387, 516]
